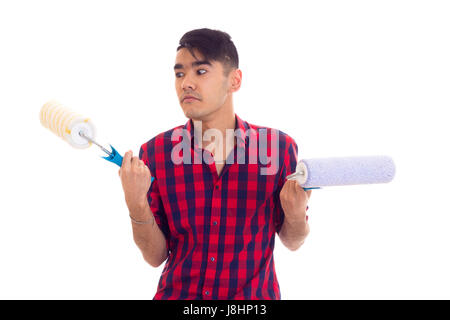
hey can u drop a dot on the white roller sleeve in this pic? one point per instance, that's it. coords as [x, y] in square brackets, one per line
[340, 171]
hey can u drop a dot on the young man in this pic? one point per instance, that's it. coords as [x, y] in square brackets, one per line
[214, 214]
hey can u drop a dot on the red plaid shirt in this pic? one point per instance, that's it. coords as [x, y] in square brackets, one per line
[219, 229]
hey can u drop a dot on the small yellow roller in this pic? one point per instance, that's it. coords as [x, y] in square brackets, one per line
[67, 124]
[77, 130]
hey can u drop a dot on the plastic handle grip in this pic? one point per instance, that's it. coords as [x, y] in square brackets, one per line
[116, 158]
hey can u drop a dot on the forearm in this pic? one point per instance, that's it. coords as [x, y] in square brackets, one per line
[293, 232]
[148, 237]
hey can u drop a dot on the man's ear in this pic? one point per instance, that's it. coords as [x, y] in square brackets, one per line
[236, 79]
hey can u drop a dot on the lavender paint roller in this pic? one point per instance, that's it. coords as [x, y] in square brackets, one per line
[341, 171]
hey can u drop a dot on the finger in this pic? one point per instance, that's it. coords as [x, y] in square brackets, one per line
[285, 189]
[298, 187]
[138, 163]
[134, 161]
[309, 193]
[295, 187]
[291, 187]
[126, 161]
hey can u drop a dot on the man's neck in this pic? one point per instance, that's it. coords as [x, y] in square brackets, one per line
[221, 122]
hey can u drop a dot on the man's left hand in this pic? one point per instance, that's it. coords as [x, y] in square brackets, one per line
[294, 200]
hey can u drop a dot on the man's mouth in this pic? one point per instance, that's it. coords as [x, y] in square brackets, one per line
[189, 98]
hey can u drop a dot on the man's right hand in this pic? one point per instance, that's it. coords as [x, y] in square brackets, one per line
[136, 180]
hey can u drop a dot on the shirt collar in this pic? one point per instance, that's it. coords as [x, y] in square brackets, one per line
[241, 137]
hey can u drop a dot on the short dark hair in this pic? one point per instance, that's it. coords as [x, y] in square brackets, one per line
[214, 45]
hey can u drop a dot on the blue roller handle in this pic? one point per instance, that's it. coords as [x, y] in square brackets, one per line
[116, 158]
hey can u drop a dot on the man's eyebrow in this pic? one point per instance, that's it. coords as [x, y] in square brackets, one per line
[194, 64]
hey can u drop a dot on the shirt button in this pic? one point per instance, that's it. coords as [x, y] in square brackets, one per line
[215, 222]
[217, 187]
[207, 292]
[212, 259]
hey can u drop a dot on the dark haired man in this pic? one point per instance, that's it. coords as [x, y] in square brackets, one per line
[214, 222]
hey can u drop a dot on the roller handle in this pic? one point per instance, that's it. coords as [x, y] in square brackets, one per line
[292, 177]
[116, 158]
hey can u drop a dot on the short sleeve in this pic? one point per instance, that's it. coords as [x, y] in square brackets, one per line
[146, 154]
[288, 166]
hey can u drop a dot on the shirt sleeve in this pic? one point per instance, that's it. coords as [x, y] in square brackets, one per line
[289, 166]
[146, 154]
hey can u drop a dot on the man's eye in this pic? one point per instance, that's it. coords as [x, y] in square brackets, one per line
[180, 74]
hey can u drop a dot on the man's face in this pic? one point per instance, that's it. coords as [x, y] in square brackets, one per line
[201, 79]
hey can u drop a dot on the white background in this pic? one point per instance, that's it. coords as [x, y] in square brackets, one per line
[342, 78]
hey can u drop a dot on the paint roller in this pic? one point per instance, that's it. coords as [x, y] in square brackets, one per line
[75, 129]
[341, 171]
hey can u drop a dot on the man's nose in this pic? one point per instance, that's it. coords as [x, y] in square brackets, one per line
[188, 82]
